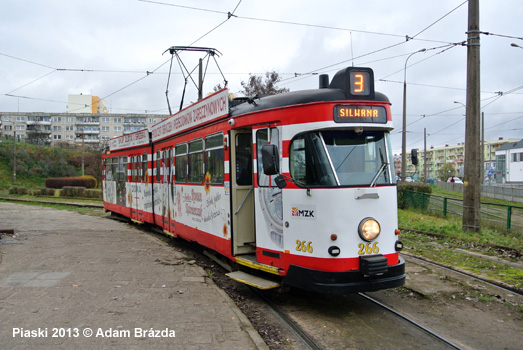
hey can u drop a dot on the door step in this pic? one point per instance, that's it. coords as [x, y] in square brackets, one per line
[255, 281]
[250, 261]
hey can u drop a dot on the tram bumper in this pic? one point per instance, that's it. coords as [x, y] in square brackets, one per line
[344, 282]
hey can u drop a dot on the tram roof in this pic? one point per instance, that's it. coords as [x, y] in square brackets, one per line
[260, 103]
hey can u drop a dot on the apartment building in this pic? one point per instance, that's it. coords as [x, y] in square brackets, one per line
[86, 104]
[436, 157]
[73, 128]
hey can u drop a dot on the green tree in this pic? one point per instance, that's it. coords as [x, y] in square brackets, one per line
[255, 85]
[446, 171]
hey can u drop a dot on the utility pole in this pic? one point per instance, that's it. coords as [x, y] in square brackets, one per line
[83, 154]
[200, 80]
[472, 190]
[482, 165]
[425, 154]
[14, 154]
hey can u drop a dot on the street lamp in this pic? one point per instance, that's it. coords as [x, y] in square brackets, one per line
[404, 132]
[516, 45]
[461, 103]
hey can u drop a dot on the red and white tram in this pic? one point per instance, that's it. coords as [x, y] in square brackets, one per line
[296, 188]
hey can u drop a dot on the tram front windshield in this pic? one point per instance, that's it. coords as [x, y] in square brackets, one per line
[340, 159]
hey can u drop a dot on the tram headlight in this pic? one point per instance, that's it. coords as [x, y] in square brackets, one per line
[369, 229]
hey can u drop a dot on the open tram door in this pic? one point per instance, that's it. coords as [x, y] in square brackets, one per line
[242, 192]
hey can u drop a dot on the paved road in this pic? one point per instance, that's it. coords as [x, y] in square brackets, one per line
[70, 280]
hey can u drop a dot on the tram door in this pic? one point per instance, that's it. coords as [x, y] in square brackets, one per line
[242, 192]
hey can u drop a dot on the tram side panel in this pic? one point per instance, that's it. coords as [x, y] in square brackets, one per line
[196, 205]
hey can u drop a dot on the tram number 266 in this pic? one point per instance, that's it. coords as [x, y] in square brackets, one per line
[304, 246]
[369, 248]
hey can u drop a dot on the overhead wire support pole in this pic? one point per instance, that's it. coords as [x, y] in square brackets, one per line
[472, 187]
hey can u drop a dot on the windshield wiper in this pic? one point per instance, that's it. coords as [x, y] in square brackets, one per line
[380, 171]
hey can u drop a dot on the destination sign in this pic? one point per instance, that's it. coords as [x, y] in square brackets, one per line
[360, 114]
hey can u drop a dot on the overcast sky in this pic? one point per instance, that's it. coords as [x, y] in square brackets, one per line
[52, 48]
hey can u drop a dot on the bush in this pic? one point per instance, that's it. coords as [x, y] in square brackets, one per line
[20, 190]
[78, 181]
[72, 191]
[404, 189]
[94, 193]
[45, 192]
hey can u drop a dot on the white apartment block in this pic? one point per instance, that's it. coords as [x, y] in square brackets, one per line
[73, 128]
[436, 157]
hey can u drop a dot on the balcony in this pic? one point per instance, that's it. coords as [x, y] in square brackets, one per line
[88, 122]
[39, 122]
[134, 122]
[79, 140]
[87, 132]
[38, 132]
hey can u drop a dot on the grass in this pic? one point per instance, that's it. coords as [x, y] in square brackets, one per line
[442, 247]
[450, 227]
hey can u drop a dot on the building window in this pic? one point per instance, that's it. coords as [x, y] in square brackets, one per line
[57, 128]
[117, 128]
[69, 128]
[7, 119]
[8, 127]
[152, 121]
[69, 119]
[20, 127]
[117, 120]
[57, 137]
[105, 120]
[105, 128]
[20, 119]
[57, 119]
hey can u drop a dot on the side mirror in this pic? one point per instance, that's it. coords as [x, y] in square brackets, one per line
[280, 181]
[270, 160]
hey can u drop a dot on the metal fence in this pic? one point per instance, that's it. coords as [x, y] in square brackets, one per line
[507, 217]
[508, 192]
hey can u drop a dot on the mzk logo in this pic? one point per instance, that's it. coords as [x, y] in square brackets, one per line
[302, 212]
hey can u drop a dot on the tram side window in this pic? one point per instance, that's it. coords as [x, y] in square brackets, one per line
[132, 160]
[122, 169]
[158, 163]
[180, 163]
[262, 138]
[114, 166]
[138, 176]
[243, 159]
[195, 160]
[166, 166]
[214, 158]
[108, 169]
[145, 175]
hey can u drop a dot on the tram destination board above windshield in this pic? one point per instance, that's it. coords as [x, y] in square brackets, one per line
[360, 114]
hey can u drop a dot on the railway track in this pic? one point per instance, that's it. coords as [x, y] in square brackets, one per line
[414, 335]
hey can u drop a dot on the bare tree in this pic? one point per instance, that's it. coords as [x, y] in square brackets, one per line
[256, 86]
